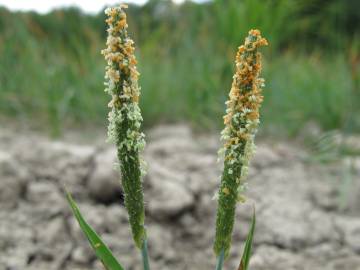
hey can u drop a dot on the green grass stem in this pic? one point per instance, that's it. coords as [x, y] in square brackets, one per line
[220, 260]
[145, 255]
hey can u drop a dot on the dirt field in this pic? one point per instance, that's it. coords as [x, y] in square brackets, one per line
[299, 221]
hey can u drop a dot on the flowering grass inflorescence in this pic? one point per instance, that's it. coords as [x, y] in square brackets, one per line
[125, 117]
[125, 121]
[241, 122]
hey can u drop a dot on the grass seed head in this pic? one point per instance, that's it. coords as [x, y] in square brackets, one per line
[241, 122]
[125, 116]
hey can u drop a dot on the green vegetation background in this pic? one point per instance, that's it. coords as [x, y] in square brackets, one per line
[51, 70]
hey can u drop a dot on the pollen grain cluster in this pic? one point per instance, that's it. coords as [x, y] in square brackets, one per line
[242, 113]
[122, 78]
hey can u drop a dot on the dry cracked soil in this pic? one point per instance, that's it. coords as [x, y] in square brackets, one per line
[300, 224]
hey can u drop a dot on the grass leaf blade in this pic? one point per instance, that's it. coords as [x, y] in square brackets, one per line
[102, 251]
[244, 263]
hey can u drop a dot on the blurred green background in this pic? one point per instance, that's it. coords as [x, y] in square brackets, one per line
[52, 72]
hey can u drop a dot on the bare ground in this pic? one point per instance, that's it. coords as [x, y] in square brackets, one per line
[299, 222]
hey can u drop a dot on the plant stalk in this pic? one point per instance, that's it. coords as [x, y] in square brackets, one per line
[145, 256]
[220, 260]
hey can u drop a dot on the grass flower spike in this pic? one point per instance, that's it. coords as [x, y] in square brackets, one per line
[125, 117]
[241, 122]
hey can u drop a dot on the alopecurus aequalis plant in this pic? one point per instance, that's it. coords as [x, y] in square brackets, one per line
[241, 122]
[125, 117]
